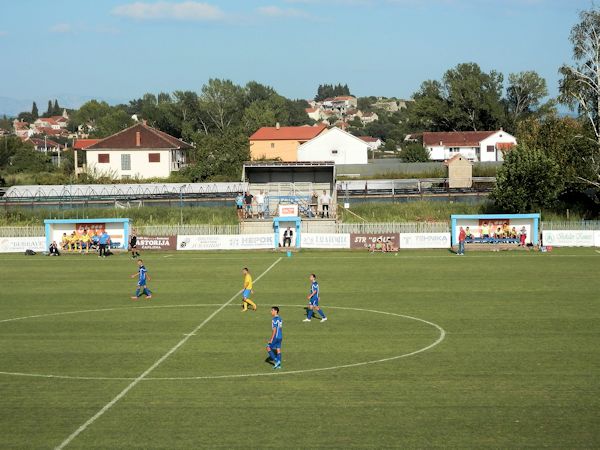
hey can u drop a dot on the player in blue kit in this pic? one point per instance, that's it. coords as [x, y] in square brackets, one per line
[143, 278]
[274, 344]
[313, 300]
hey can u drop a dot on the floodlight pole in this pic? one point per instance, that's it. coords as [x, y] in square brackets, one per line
[181, 204]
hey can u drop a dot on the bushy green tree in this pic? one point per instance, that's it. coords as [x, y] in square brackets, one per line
[528, 181]
[34, 111]
[414, 152]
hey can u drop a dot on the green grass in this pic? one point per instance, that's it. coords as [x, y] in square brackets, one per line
[147, 215]
[519, 367]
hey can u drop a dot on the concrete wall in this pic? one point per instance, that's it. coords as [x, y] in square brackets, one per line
[286, 150]
[382, 166]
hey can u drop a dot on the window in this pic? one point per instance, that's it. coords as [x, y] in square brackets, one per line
[154, 157]
[272, 144]
[454, 149]
[103, 158]
[126, 161]
[491, 148]
[334, 152]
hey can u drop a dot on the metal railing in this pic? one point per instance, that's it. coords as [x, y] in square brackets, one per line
[568, 225]
[27, 231]
[394, 227]
[171, 230]
[384, 227]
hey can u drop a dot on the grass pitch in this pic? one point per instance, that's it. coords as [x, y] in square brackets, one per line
[519, 365]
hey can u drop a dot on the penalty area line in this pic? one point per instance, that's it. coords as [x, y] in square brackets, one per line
[157, 363]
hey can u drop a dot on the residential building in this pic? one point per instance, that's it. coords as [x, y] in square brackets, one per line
[334, 145]
[481, 146]
[139, 151]
[281, 142]
[369, 117]
[373, 142]
[314, 113]
[45, 145]
[22, 129]
[340, 104]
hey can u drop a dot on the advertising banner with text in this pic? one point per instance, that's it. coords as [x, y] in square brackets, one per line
[227, 242]
[325, 240]
[20, 244]
[424, 240]
[157, 242]
[568, 238]
[358, 240]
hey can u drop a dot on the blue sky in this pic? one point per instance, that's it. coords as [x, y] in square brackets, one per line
[119, 49]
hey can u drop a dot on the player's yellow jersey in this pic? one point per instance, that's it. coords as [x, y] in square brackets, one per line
[248, 281]
[85, 238]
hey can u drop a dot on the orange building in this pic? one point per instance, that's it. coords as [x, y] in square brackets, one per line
[281, 142]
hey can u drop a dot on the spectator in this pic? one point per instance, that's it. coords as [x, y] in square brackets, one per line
[462, 235]
[53, 250]
[248, 197]
[133, 245]
[239, 205]
[522, 237]
[260, 204]
[314, 204]
[325, 200]
[287, 237]
[103, 242]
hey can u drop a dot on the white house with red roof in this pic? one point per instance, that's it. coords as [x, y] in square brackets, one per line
[334, 145]
[373, 142]
[139, 151]
[22, 129]
[483, 146]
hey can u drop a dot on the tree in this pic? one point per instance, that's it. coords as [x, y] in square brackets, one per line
[391, 146]
[218, 156]
[466, 99]
[48, 112]
[528, 181]
[5, 123]
[221, 100]
[34, 111]
[414, 152]
[56, 111]
[329, 90]
[580, 83]
[25, 116]
[524, 93]
[113, 122]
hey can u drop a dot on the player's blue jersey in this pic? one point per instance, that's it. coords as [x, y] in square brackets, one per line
[142, 274]
[277, 324]
[314, 288]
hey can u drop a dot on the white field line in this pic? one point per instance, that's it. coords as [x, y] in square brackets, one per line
[158, 362]
[597, 251]
[247, 375]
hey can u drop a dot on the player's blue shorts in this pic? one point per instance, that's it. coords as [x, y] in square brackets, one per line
[142, 282]
[246, 293]
[314, 301]
[276, 344]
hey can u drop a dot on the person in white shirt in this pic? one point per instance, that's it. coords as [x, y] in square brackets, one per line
[260, 202]
[325, 200]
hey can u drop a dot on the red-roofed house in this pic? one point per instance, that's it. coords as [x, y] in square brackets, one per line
[281, 142]
[139, 151]
[81, 144]
[314, 113]
[482, 146]
[22, 129]
[373, 142]
[45, 145]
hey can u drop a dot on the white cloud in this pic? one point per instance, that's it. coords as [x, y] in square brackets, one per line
[61, 28]
[276, 11]
[188, 10]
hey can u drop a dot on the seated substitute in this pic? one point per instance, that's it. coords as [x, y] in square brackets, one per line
[53, 249]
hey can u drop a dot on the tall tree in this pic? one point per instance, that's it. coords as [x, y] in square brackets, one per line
[524, 93]
[221, 100]
[34, 111]
[56, 111]
[580, 83]
[48, 112]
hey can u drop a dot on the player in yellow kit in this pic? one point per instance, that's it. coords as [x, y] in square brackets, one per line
[247, 291]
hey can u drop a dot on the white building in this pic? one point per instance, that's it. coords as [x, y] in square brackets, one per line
[373, 142]
[314, 113]
[335, 145]
[139, 151]
[484, 146]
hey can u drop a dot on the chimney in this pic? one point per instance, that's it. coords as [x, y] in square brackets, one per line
[277, 125]
[138, 139]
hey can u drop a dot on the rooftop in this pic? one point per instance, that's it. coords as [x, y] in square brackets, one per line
[304, 133]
